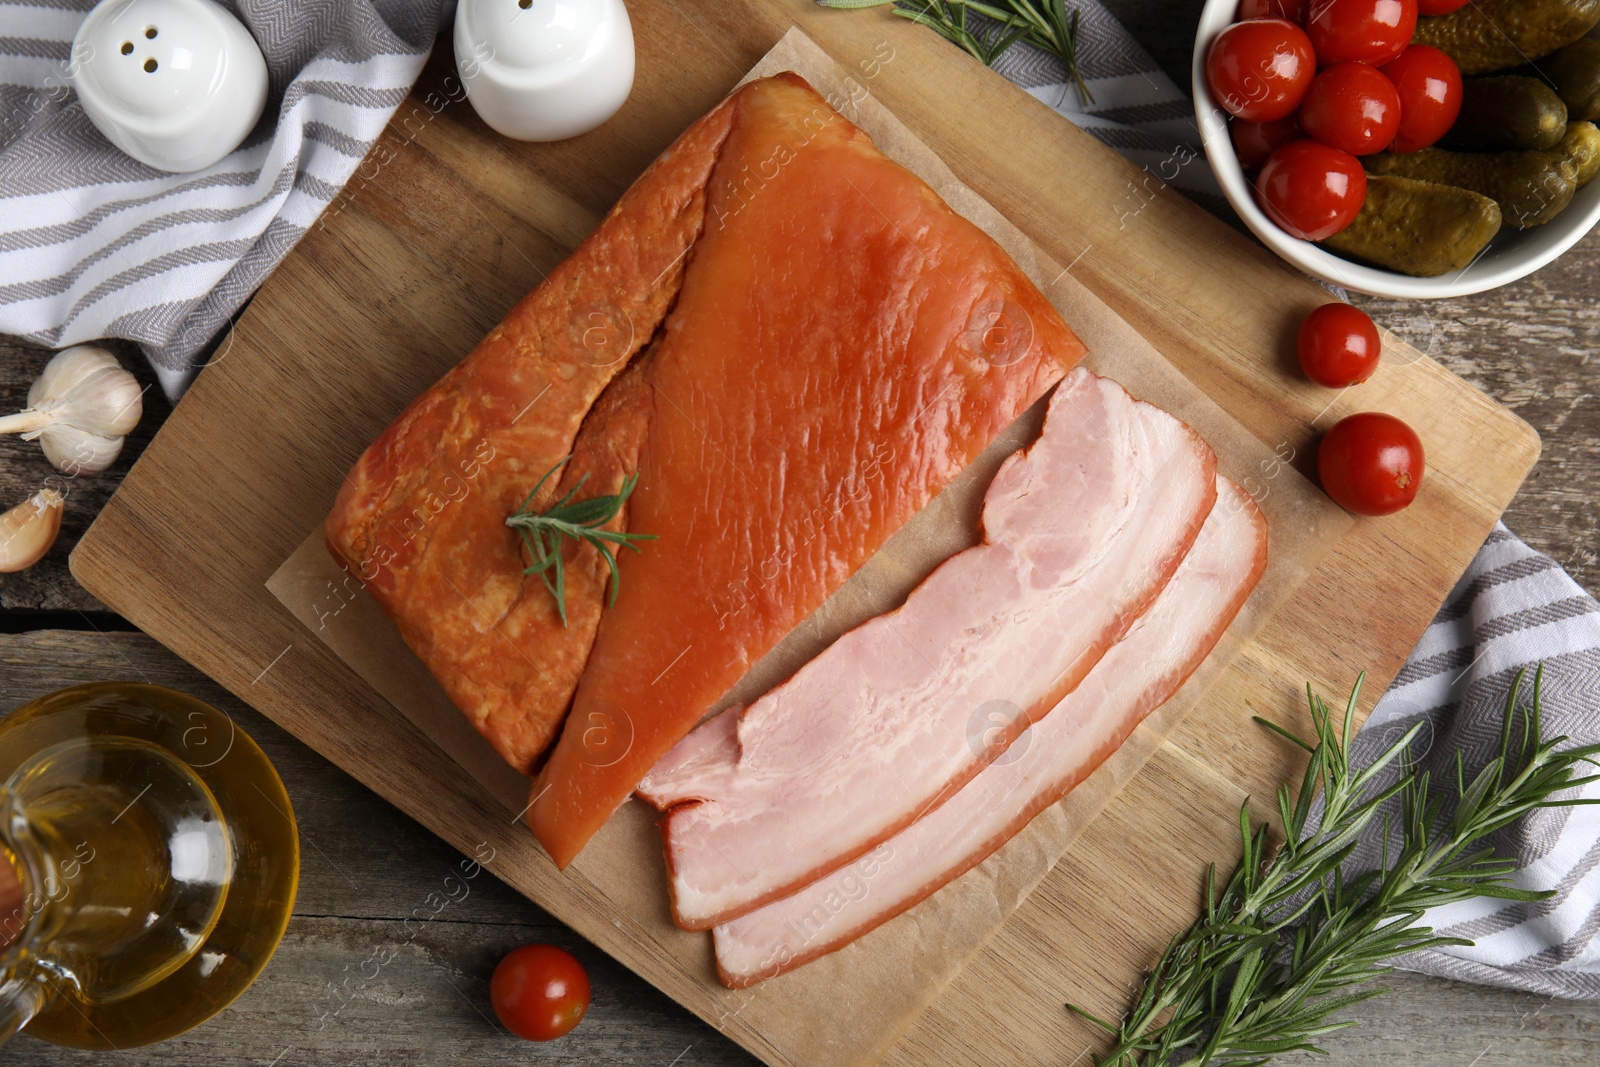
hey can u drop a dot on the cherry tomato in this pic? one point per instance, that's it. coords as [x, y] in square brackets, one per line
[1371, 464]
[1439, 7]
[1311, 190]
[539, 992]
[1293, 10]
[1260, 70]
[1255, 141]
[1353, 107]
[1339, 346]
[1361, 31]
[1429, 84]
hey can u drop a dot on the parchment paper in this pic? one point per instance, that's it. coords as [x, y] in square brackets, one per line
[851, 1006]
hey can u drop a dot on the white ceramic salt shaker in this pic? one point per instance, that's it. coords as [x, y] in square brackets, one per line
[544, 70]
[176, 84]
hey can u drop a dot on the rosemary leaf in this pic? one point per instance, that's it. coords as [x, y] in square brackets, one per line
[545, 534]
[1045, 24]
[1290, 939]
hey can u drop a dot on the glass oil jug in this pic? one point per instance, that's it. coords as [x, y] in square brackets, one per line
[151, 860]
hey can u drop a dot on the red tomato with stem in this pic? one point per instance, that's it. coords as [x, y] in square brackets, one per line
[1260, 70]
[1429, 85]
[539, 992]
[1439, 7]
[1371, 464]
[1293, 10]
[1311, 190]
[1253, 142]
[1353, 107]
[1361, 31]
[1339, 346]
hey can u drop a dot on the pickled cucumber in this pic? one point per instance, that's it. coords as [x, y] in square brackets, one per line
[1418, 228]
[1507, 113]
[1491, 35]
[1575, 72]
[1531, 187]
[1582, 146]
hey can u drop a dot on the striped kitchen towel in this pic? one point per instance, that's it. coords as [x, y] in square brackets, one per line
[1514, 608]
[94, 244]
[1133, 107]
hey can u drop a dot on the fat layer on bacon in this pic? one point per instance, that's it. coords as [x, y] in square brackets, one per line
[1081, 532]
[1135, 677]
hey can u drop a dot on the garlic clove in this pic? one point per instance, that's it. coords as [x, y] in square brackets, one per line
[73, 450]
[67, 369]
[28, 530]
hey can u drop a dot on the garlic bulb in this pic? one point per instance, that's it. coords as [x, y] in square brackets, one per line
[28, 530]
[80, 409]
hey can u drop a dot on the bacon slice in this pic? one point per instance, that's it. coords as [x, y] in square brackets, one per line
[1137, 676]
[1082, 531]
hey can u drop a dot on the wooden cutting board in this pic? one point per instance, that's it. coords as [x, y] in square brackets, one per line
[446, 225]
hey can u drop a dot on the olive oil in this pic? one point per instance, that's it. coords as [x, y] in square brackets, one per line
[153, 863]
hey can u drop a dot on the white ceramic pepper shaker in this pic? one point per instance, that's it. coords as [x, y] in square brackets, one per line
[176, 84]
[544, 70]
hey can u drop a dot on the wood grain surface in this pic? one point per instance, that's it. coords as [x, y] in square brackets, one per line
[455, 223]
[1527, 344]
[366, 868]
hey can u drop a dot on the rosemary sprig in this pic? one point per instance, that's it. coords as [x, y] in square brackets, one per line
[1290, 939]
[546, 532]
[1045, 24]
[949, 19]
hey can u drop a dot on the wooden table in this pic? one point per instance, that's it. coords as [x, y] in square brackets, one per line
[367, 867]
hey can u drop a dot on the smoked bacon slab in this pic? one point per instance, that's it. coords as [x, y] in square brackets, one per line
[420, 518]
[841, 346]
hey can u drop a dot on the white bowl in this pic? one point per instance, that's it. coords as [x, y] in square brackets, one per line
[1512, 254]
